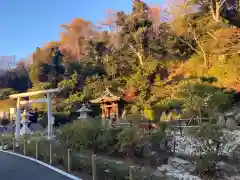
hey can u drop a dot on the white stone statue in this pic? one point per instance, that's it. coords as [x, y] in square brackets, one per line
[25, 121]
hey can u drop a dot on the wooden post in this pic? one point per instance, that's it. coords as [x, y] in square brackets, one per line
[69, 160]
[50, 153]
[36, 149]
[131, 176]
[17, 122]
[25, 148]
[14, 144]
[116, 111]
[2, 144]
[94, 174]
[49, 105]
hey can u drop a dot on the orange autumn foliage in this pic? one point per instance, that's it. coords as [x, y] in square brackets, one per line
[74, 38]
[154, 13]
[110, 20]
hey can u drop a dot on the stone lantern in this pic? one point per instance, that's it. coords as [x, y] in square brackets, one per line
[83, 112]
[25, 121]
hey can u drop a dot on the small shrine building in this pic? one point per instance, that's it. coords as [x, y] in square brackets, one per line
[109, 104]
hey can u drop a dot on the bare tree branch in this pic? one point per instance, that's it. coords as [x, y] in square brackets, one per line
[222, 3]
[194, 49]
[212, 35]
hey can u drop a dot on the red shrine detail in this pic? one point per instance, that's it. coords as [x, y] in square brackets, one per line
[109, 105]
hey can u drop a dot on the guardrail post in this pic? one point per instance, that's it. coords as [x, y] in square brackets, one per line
[25, 148]
[14, 144]
[50, 153]
[36, 149]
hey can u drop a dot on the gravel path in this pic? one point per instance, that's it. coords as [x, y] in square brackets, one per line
[17, 168]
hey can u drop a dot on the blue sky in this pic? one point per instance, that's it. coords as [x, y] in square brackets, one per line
[27, 24]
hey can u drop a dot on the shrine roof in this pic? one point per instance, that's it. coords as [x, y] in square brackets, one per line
[84, 109]
[107, 96]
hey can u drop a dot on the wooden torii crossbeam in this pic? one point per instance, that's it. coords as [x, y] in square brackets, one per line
[47, 100]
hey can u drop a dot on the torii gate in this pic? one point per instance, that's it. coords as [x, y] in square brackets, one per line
[47, 100]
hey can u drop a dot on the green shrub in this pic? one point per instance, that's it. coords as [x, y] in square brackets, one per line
[107, 140]
[82, 160]
[7, 139]
[206, 165]
[105, 166]
[80, 134]
[62, 118]
[210, 146]
[157, 139]
[111, 169]
[90, 134]
[44, 151]
[133, 141]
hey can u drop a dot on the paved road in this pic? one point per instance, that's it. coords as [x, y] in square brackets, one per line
[17, 168]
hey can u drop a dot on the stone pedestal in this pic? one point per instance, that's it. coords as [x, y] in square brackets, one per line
[25, 129]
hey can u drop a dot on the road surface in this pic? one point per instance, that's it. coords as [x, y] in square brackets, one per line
[17, 168]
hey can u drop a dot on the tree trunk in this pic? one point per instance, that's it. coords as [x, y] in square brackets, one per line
[140, 58]
[215, 8]
[205, 60]
[217, 11]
